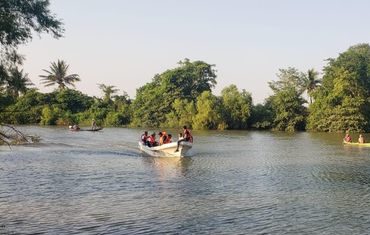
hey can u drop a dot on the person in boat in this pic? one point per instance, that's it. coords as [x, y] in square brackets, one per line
[169, 139]
[151, 140]
[162, 137]
[361, 139]
[187, 137]
[93, 125]
[76, 127]
[144, 137]
[347, 138]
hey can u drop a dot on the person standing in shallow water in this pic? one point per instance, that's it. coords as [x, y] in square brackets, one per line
[187, 137]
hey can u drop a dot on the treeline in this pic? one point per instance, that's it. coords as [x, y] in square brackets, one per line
[183, 96]
[176, 97]
[337, 101]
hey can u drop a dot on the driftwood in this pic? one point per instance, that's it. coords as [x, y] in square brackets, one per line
[10, 135]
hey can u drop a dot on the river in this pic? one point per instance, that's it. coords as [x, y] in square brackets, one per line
[233, 182]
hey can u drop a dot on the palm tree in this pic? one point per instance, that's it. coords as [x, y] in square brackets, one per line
[311, 82]
[58, 75]
[18, 82]
[108, 91]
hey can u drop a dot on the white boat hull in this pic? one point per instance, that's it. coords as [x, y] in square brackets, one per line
[167, 150]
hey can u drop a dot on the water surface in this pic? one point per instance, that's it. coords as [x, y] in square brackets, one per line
[234, 182]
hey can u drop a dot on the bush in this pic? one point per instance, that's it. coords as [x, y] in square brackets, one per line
[49, 116]
[116, 119]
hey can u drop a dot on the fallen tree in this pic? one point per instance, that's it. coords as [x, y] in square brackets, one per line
[10, 135]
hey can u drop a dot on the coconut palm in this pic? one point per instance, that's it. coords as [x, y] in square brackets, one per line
[108, 91]
[18, 82]
[311, 83]
[58, 75]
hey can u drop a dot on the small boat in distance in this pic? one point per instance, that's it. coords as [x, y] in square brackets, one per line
[96, 129]
[357, 144]
[79, 129]
[166, 150]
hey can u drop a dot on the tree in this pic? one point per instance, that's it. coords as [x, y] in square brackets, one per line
[208, 115]
[182, 114]
[71, 100]
[311, 83]
[50, 115]
[154, 100]
[151, 105]
[287, 103]
[290, 77]
[236, 107]
[262, 115]
[108, 91]
[58, 75]
[191, 78]
[19, 18]
[342, 101]
[18, 82]
[290, 114]
[122, 99]
[27, 108]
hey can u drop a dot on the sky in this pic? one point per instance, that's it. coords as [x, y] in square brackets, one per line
[126, 42]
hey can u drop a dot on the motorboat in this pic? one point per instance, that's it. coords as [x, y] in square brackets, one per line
[167, 150]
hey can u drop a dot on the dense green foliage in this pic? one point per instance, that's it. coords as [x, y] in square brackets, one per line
[66, 107]
[35, 107]
[208, 115]
[154, 100]
[182, 113]
[287, 102]
[287, 105]
[262, 116]
[183, 96]
[342, 102]
[236, 107]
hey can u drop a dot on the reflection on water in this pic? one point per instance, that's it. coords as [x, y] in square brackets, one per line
[236, 182]
[167, 167]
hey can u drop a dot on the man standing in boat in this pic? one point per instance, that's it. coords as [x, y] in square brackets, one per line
[93, 125]
[187, 137]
